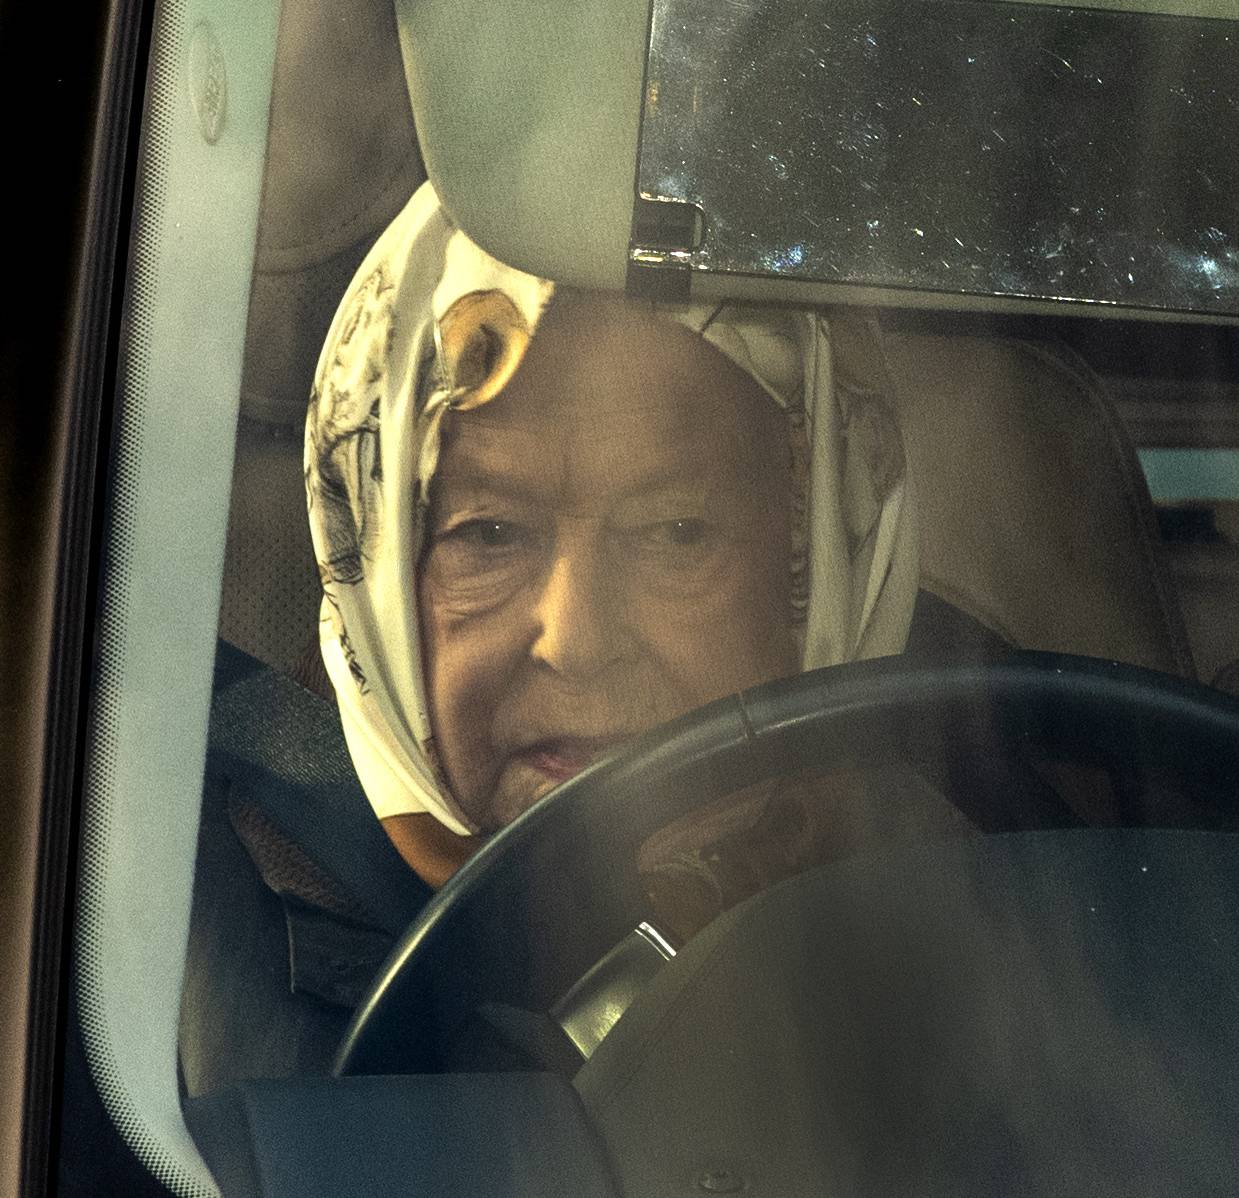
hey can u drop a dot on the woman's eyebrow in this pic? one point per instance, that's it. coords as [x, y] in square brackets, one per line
[466, 463]
[473, 471]
[459, 488]
[662, 483]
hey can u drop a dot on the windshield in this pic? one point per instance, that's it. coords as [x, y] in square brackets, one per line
[896, 397]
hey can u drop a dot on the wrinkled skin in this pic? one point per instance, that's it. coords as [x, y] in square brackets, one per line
[609, 547]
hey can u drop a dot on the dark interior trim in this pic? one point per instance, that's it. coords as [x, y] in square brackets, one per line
[68, 82]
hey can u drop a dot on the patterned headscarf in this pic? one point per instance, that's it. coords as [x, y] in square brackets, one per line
[432, 324]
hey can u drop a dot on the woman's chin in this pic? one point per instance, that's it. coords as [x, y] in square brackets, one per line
[521, 784]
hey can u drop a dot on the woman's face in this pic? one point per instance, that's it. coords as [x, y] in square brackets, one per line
[609, 547]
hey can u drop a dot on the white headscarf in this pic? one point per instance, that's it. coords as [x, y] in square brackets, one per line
[431, 323]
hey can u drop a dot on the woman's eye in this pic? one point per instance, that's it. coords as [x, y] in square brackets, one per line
[480, 542]
[489, 534]
[685, 533]
[679, 555]
[480, 552]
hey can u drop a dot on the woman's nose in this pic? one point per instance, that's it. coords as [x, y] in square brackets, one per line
[580, 630]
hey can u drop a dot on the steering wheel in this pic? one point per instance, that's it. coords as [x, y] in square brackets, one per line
[558, 888]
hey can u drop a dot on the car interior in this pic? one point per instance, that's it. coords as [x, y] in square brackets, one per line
[268, 997]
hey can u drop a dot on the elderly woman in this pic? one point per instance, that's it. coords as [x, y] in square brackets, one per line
[547, 521]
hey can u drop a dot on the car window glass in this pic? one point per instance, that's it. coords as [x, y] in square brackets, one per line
[404, 538]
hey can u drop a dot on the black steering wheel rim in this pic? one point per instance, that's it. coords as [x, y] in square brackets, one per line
[557, 888]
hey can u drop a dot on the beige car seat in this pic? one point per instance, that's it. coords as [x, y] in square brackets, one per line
[1036, 518]
[342, 160]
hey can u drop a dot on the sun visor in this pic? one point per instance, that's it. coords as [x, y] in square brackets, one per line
[974, 154]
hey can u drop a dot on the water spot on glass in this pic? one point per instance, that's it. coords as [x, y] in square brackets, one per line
[1211, 269]
[784, 260]
[208, 82]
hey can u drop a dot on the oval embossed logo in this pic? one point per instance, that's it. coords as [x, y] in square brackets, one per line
[208, 82]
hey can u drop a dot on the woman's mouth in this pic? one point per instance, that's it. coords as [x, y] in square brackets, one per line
[562, 758]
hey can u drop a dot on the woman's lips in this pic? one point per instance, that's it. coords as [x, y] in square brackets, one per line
[563, 758]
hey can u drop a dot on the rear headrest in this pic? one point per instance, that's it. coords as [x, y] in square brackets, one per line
[342, 160]
[1035, 516]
